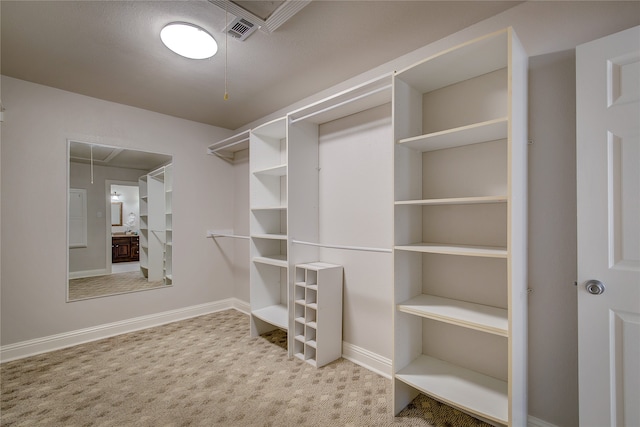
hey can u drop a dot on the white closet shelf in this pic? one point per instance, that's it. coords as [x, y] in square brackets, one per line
[454, 201]
[228, 146]
[269, 208]
[476, 133]
[275, 314]
[271, 236]
[279, 170]
[464, 250]
[469, 315]
[460, 63]
[276, 260]
[360, 98]
[460, 387]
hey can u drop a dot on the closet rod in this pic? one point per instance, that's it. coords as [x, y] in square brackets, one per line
[351, 248]
[234, 236]
[340, 104]
[224, 147]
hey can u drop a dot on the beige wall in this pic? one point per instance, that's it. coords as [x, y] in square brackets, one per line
[38, 122]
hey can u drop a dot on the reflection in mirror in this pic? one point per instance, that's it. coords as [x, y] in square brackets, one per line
[119, 220]
[116, 213]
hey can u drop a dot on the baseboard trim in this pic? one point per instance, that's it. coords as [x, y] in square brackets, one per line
[242, 306]
[537, 422]
[68, 339]
[367, 359]
[87, 273]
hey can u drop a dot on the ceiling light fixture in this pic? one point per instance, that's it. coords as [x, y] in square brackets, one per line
[188, 40]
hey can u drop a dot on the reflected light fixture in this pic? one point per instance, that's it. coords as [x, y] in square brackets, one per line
[115, 197]
[188, 40]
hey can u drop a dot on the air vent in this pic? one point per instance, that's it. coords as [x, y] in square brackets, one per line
[240, 29]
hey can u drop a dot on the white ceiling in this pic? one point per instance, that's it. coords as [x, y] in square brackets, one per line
[111, 50]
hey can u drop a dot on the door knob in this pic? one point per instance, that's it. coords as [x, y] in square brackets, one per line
[595, 287]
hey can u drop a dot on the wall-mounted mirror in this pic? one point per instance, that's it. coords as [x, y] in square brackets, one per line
[116, 213]
[120, 235]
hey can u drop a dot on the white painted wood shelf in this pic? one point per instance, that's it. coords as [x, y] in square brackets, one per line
[279, 170]
[462, 250]
[272, 236]
[227, 147]
[276, 315]
[454, 201]
[465, 135]
[469, 315]
[460, 177]
[475, 393]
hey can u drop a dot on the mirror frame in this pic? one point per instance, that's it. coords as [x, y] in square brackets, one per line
[118, 212]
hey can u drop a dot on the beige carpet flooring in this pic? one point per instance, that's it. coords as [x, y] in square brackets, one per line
[91, 287]
[204, 371]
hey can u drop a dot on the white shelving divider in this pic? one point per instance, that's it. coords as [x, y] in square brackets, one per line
[168, 206]
[268, 192]
[460, 230]
[317, 336]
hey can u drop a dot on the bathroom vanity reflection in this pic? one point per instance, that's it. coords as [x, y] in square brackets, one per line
[119, 220]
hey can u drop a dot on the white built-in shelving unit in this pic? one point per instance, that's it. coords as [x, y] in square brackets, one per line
[268, 225]
[317, 330]
[460, 230]
[156, 232]
[168, 206]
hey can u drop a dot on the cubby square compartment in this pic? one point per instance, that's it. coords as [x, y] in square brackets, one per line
[312, 277]
[309, 353]
[299, 293]
[300, 275]
[269, 221]
[312, 296]
[310, 335]
[300, 313]
[298, 349]
[299, 330]
[311, 316]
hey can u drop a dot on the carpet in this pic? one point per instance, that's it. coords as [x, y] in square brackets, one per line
[204, 371]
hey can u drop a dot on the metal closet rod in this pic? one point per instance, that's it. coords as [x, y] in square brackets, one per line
[340, 104]
[234, 236]
[351, 248]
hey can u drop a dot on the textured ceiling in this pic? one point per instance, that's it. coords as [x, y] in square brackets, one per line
[111, 50]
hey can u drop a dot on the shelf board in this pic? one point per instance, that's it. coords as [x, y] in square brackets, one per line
[279, 170]
[274, 314]
[463, 250]
[299, 338]
[469, 315]
[465, 135]
[269, 208]
[474, 58]
[460, 387]
[454, 201]
[313, 325]
[313, 305]
[311, 343]
[277, 260]
[360, 98]
[228, 146]
[270, 236]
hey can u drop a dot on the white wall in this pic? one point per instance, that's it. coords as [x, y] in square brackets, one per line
[37, 122]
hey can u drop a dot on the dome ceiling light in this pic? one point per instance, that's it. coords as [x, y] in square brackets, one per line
[188, 40]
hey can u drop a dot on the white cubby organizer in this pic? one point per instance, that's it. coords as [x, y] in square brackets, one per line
[317, 332]
[460, 230]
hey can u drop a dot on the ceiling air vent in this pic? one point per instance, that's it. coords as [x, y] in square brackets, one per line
[240, 29]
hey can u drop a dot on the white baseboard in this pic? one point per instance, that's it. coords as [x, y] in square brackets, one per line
[367, 359]
[242, 306]
[537, 422]
[67, 339]
[87, 273]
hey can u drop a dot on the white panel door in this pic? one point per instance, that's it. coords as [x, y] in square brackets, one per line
[608, 180]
